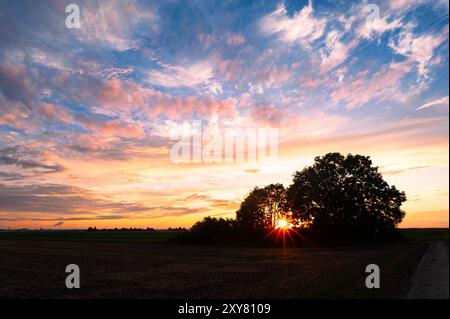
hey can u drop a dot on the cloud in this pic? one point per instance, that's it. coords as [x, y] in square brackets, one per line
[310, 124]
[15, 84]
[442, 101]
[37, 201]
[419, 48]
[364, 87]
[114, 24]
[211, 202]
[126, 109]
[235, 39]
[116, 72]
[178, 76]
[376, 27]
[402, 4]
[48, 198]
[271, 76]
[55, 113]
[403, 170]
[266, 114]
[111, 128]
[13, 117]
[83, 218]
[302, 27]
[62, 219]
[6, 176]
[408, 139]
[6, 160]
[22, 159]
[336, 51]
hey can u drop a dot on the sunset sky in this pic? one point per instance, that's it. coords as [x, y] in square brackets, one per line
[87, 115]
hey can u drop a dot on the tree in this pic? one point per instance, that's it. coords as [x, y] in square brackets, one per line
[212, 230]
[342, 197]
[262, 208]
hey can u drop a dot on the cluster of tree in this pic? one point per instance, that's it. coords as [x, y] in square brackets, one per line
[339, 199]
[176, 229]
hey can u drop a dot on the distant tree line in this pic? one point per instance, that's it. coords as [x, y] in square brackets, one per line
[93, 229]
[176, 228]
[338, 200]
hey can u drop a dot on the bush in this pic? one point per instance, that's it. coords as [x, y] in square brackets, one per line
[219, 231]
[208, 231]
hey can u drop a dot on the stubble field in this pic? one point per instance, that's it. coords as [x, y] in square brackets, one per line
[143, 266]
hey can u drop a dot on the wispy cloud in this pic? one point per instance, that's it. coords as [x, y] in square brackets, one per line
[199, 75]
[114, 24]
[419, 48]
[27, 160]
[442, 101]
[303, 27]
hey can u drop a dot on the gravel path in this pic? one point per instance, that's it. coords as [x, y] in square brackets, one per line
[430, 280]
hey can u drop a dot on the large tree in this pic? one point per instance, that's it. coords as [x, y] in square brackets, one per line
[345, 196]
[262, 208]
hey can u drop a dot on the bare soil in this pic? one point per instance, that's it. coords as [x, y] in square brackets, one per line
[36, 269]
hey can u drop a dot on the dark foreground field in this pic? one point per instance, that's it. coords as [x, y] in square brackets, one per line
[141, 265]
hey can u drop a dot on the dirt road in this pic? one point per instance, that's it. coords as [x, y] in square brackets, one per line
[430, 280]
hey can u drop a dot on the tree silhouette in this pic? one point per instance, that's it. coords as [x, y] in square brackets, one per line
[262, 208]
[212, 230]
[339, 199]
[345, 198]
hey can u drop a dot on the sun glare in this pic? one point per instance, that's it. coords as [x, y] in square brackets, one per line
[283, 224]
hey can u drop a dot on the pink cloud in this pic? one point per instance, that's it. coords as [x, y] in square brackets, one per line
[111, 128]
[420, 49]
[189, 107]
[121, 95]
[55, 113]
[267, 114]
[15, 84]
[335, 52]
[362, 87]
[230, 70]
[272, 75]
[303, 27]
[377, 27]
[117, 97]
[182, 76]
[112, 24]
[235, 39]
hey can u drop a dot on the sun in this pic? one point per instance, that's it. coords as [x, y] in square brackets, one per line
[283, 224]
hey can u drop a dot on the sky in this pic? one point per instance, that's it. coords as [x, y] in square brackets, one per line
[89, 115]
